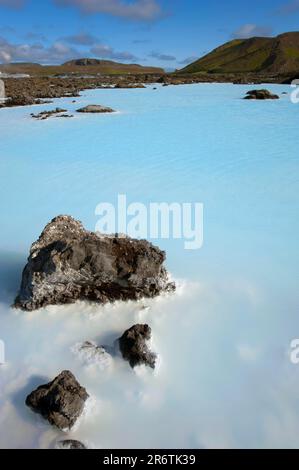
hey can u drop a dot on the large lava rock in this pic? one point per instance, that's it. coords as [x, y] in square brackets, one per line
[61, 401]
[95, 108]
[133, 346]
[260, 95]
[69, 263]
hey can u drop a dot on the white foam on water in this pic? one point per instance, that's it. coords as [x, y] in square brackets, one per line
[210, 387]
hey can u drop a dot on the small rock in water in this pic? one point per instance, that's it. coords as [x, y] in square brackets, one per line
[89, 353]
[64, 116]
[133, 346]
[61, 401]
[260, 95]
[95, 108]
[57, 112]
[70, 444]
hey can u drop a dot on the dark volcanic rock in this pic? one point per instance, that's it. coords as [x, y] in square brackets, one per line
[20, 100]
[61, 401]
[129, 85]
[70, 444]
[68, 263]
[133, 346]
[260, 95]
[57, 112]
[95, 108]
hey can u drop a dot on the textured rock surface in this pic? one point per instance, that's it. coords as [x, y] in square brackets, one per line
[90, 354]
[260, 95]
[47, 114]
[95, 108]
[133, 346]
[69, 263]
[61, 401]
[130, 85]
[70, 444]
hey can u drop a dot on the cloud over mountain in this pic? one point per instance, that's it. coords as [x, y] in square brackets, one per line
[104, 51]
[37, 52]
[159, 56]
[249, 30]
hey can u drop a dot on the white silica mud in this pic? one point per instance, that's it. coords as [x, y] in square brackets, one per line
[224, 377]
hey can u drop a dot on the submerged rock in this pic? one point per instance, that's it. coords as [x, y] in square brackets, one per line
[61, 401]
[68, 263]
[57, 112]
[133, 346]
[89, 353]
[260, 95]
[70, 444]
[95, 108]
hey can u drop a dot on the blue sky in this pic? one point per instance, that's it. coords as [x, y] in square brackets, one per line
[166, 33]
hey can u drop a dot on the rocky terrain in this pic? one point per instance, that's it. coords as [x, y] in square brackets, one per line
[34, 90]
[61, 401]
[68, 263]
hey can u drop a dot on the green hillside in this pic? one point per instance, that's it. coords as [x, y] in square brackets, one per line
[257, 54]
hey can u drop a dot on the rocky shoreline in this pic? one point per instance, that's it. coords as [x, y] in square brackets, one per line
[34, 90]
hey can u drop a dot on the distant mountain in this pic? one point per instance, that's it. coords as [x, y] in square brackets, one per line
[84, 66]
[109, 65]
[85, 62]
[279, 55]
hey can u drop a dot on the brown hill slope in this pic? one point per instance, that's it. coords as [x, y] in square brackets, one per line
[79, 66]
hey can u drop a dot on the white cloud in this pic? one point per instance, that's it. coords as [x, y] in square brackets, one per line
[164, 57]
[58, 52]
[143, 10]
[106, 52]
[81, 39]
[250, 30]
[37, 52]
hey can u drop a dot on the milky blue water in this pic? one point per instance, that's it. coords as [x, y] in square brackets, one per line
[230, 382]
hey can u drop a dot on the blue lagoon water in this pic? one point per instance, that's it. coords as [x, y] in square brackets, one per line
[225, 378]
